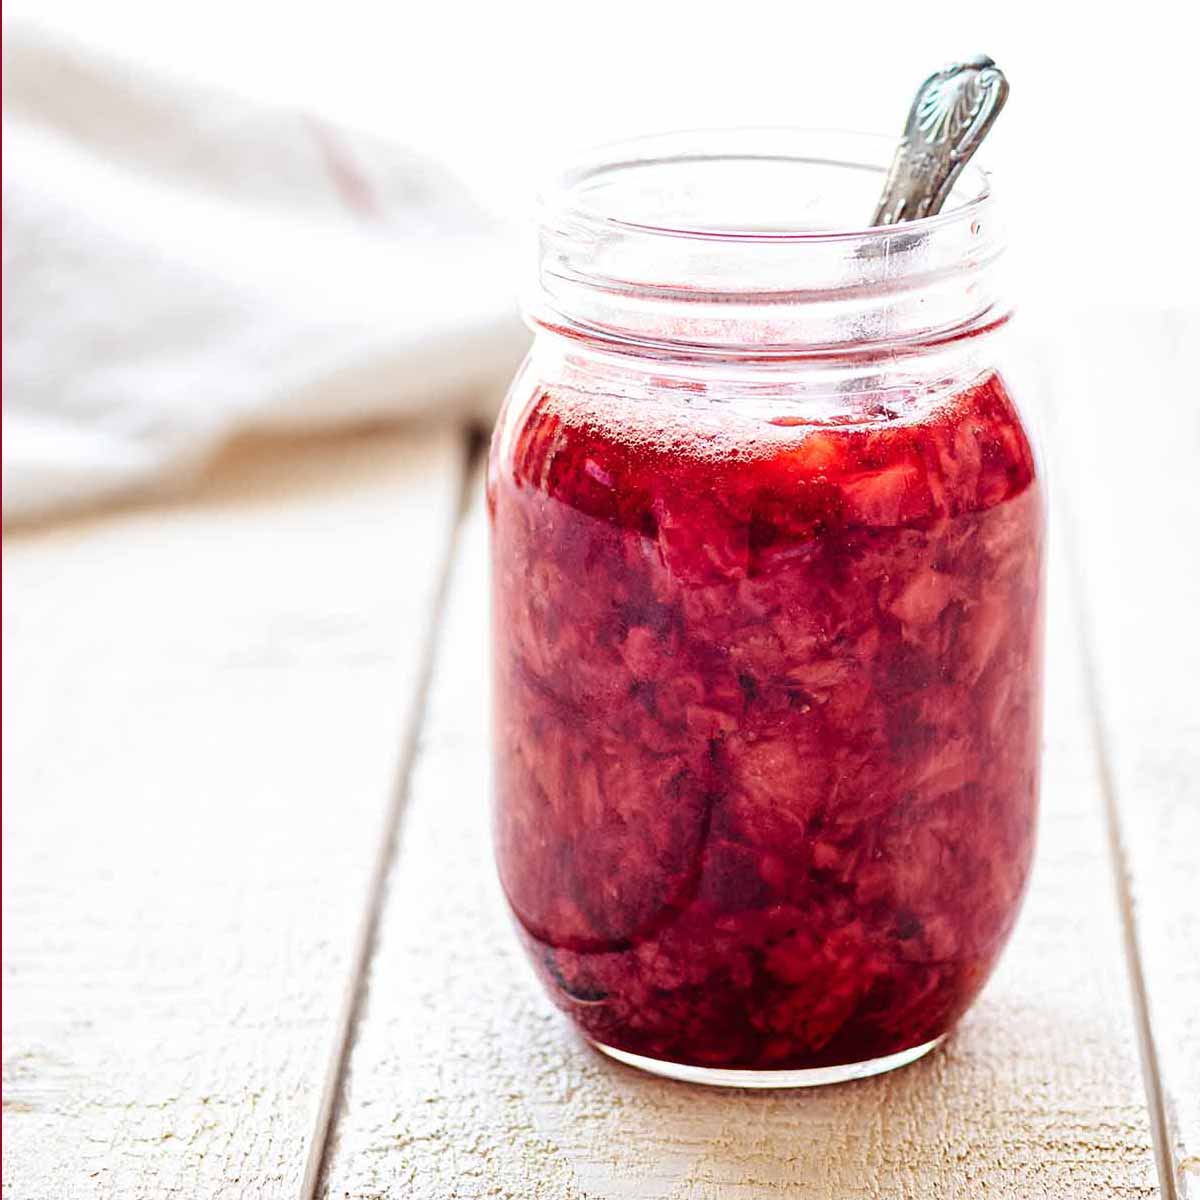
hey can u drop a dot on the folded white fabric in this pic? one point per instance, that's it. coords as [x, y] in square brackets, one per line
[181, 265]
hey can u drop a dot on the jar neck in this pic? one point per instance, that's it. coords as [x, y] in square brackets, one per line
[622, 371]
[680, 247]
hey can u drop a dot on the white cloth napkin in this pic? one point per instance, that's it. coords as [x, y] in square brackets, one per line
[181, 265]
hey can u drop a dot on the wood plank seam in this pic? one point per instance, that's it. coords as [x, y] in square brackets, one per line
[214, 690]
[364, 949]
[1119, 861]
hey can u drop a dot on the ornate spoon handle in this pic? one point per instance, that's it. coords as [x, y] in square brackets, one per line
[950, 116]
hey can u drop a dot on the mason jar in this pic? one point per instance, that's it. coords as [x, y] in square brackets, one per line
[767, 542]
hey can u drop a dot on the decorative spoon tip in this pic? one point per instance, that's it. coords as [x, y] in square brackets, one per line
[952, 112]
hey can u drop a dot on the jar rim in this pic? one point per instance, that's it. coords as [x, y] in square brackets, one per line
[560, 200]
[734, 243]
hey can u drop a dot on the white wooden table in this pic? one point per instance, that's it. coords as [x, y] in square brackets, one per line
[253, 943]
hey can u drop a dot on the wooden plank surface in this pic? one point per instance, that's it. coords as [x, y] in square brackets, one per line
[206, 703]
[464, 1082]
[1130, 456]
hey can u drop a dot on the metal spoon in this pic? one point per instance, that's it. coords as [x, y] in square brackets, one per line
[950, 116]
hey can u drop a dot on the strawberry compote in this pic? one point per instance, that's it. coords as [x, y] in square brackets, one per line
[768, 713]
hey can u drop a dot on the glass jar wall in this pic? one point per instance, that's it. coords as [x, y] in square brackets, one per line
[767, 561]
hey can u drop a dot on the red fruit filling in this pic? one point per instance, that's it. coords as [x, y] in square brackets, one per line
[767, 719]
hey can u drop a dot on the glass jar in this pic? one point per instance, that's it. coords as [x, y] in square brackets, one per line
[767, 539]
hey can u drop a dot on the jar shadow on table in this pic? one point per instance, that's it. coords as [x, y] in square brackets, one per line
[955, 1104]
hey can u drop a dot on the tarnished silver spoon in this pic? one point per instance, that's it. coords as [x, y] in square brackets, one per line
[951, 115]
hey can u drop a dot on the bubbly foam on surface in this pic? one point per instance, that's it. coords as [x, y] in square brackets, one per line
[704, 428]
